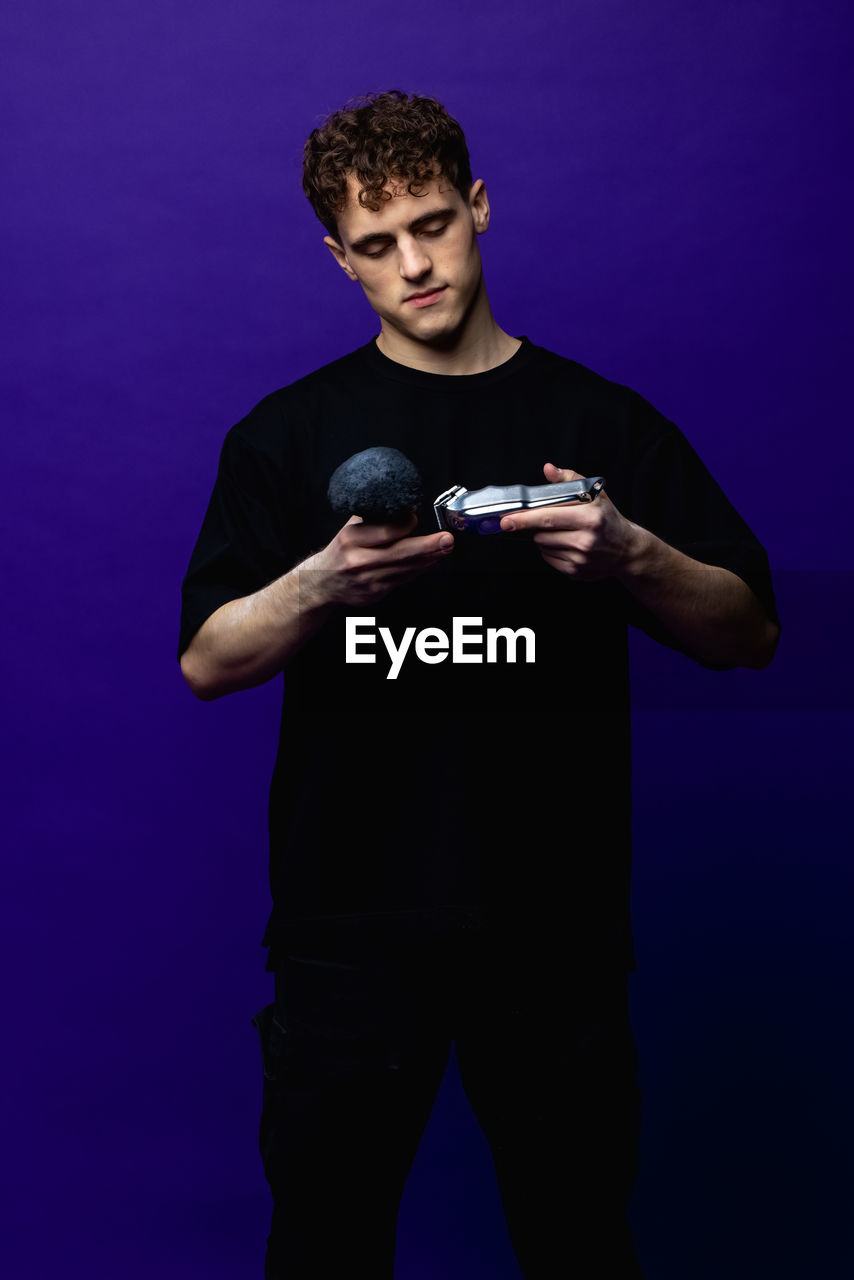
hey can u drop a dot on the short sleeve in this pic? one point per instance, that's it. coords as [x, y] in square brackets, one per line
[674, 496]
[244, 543]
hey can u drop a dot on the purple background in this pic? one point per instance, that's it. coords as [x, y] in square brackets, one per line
[671, 198]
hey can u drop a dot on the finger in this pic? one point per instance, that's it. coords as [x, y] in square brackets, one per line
[410, 556]
[378, 535]
[569, 568]
[567, 516]
[429, 545]
[556, 540]
[402, 549]
[557, 475]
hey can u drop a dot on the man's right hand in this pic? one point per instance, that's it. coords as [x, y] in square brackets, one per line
[248, 640]
[364, 562]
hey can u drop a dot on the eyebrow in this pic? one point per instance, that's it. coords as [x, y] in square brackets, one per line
[375, 236]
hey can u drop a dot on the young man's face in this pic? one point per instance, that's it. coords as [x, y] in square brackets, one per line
[417, 257]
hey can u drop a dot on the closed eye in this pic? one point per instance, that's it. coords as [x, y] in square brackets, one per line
[431, 232]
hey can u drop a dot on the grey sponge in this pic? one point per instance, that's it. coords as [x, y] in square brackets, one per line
[381, 485]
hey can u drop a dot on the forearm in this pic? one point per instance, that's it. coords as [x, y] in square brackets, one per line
[709, 610]
[247, 641]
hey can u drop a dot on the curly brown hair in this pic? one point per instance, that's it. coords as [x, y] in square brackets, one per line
[378, 137]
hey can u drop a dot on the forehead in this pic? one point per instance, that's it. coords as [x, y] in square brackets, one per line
[396, 212]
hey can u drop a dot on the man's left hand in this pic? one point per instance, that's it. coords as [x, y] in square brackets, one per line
[585, 540]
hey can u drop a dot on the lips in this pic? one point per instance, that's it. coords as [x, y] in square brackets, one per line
[425, 299]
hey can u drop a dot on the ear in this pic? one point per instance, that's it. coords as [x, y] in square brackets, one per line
[479, 205]
[340, 257]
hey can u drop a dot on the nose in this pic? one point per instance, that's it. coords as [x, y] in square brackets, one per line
[414, 260]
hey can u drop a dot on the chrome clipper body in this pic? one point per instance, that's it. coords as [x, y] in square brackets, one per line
[480, 510]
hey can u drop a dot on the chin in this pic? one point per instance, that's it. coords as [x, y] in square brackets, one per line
[439, 330]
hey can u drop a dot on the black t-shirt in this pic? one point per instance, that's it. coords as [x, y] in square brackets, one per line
[473, 790]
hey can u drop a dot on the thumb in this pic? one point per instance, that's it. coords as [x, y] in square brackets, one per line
[557, 475]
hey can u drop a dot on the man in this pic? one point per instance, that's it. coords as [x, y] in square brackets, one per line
[449, 813]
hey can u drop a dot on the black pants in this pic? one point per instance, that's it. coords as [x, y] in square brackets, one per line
[354, 1049]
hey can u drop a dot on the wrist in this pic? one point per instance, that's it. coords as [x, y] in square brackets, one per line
[312, 585]
[641, 554]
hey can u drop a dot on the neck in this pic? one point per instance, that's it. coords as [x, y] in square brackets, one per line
[478, 345]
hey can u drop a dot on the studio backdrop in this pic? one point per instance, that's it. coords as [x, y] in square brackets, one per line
[671, 196]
